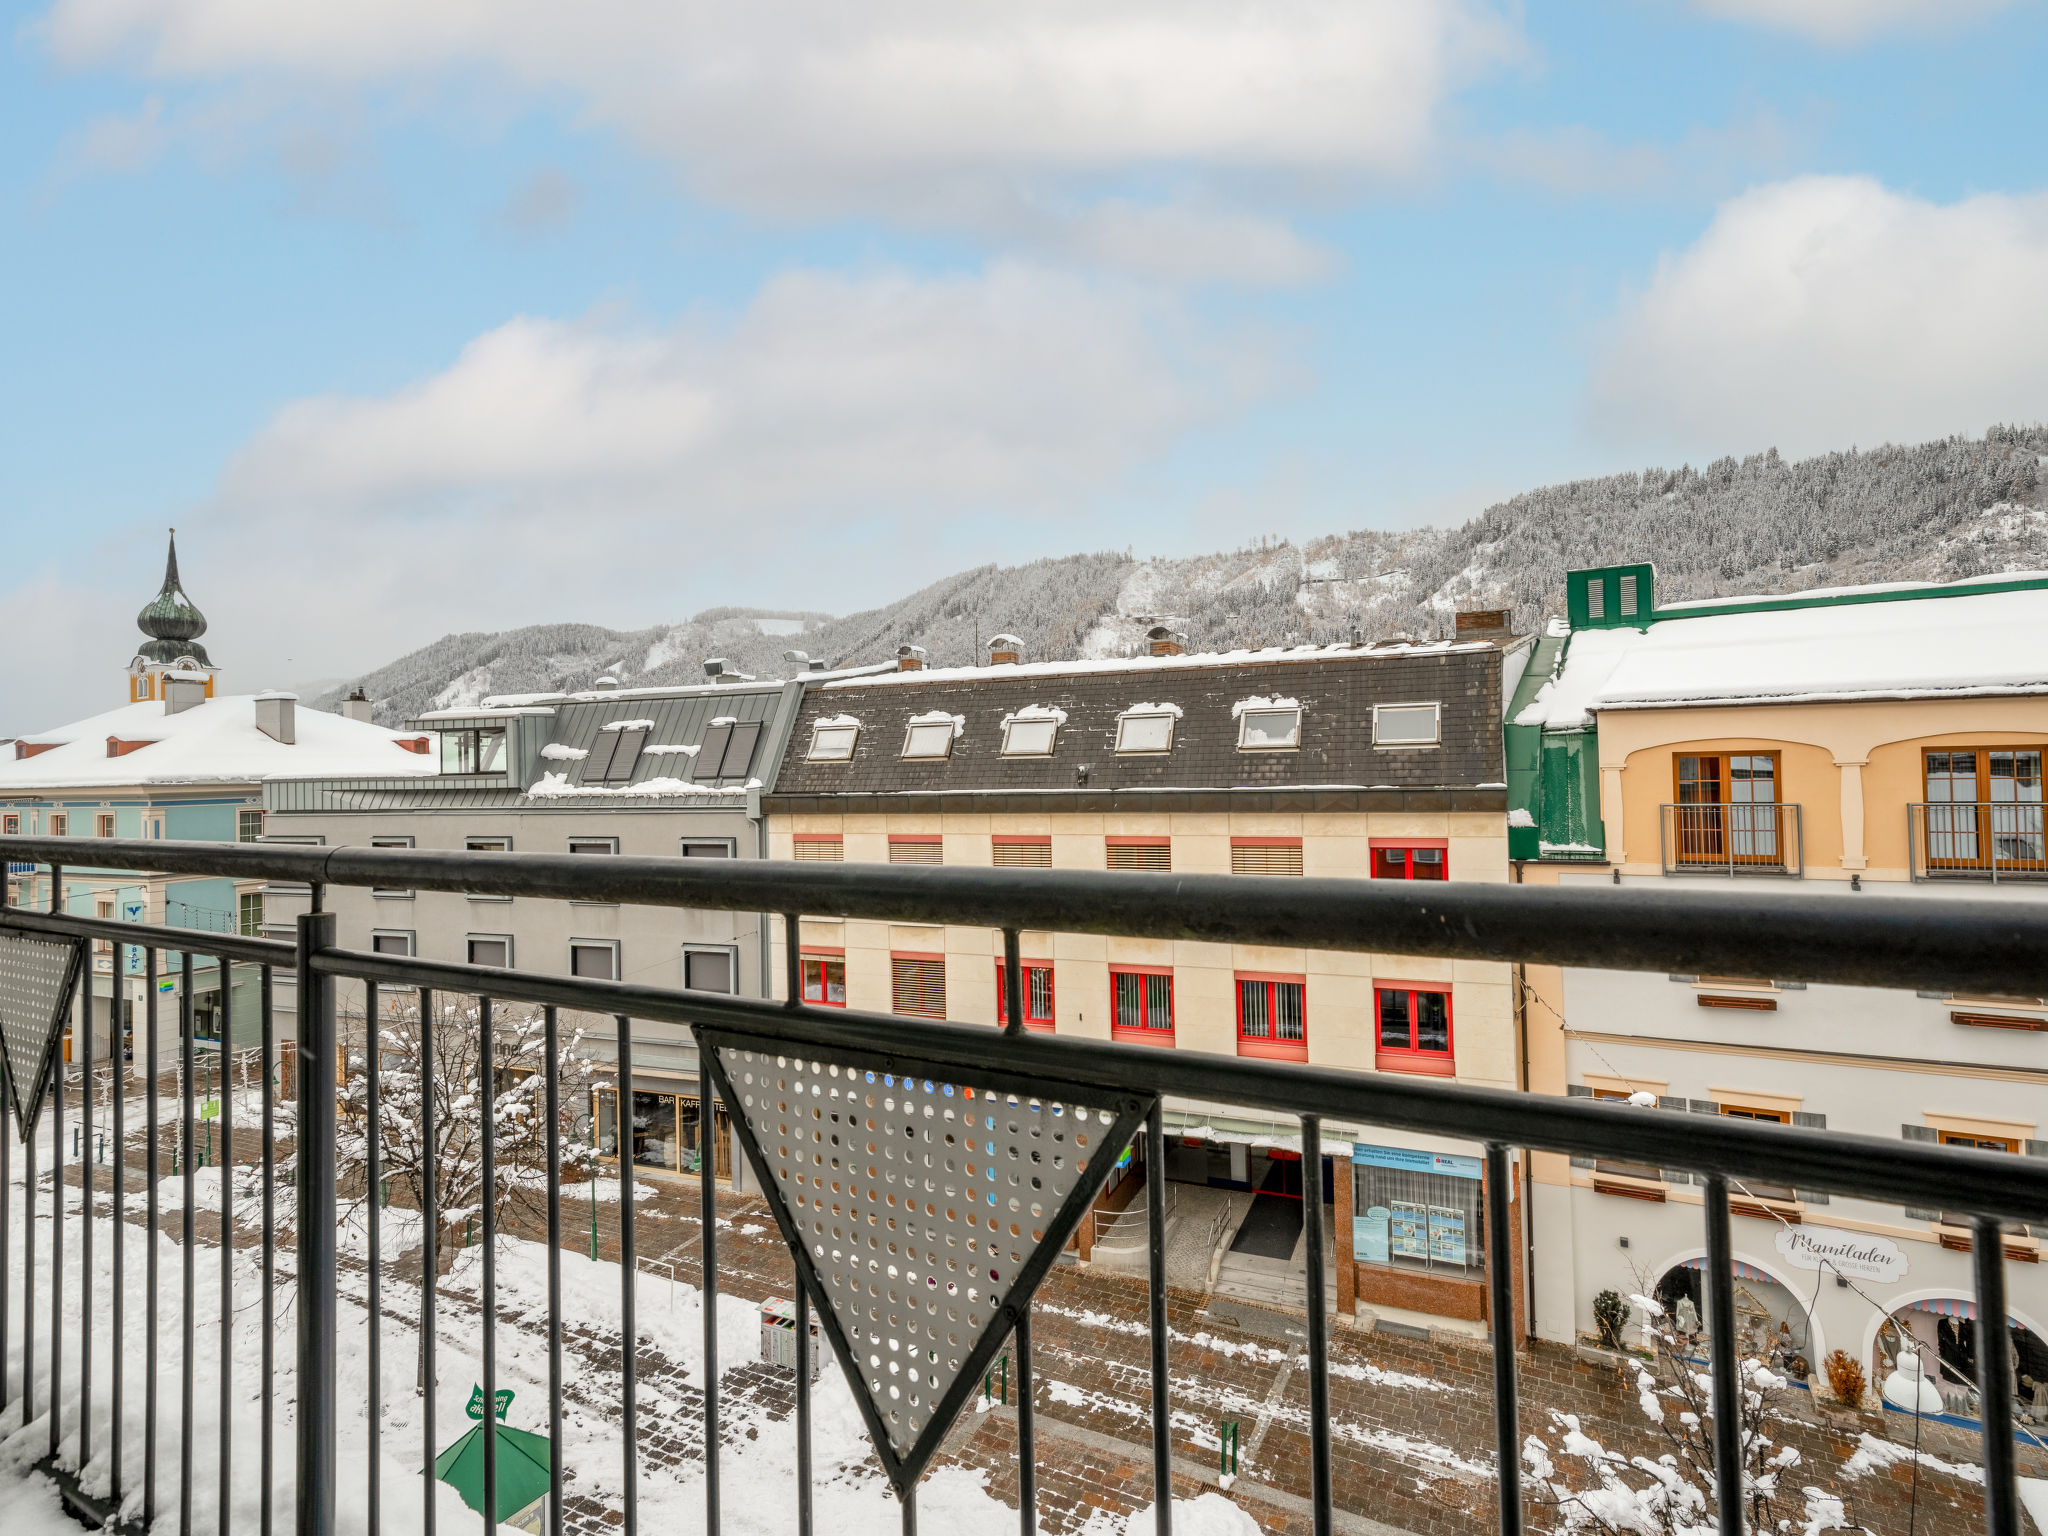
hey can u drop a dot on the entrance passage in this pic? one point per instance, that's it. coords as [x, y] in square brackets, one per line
[1273, 1225]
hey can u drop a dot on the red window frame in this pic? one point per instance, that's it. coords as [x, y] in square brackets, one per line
[1270, 1046]
[1413, 1057]
[1039, 1024]
[819, 840]
[822, 955]
[1147, 841]
[1387, 867]
[916, 840]
[1141, 1034]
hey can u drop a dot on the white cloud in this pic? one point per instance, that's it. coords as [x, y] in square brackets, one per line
[924, 110]
[1825, 311]
[1852, 21]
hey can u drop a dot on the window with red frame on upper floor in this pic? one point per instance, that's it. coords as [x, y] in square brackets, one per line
[1141, 1005]
[1415, 1030]
[1422, 860]
[1272, 1017]
[1037, 996]
[818, 847]
[825, 980]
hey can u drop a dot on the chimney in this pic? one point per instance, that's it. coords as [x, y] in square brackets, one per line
[1484, 623]
[183, 691]
[356, 707]
[910, 658]
[276, 716]
[1165, 642]
[1005, 651]
[606, 683]
[714, 667]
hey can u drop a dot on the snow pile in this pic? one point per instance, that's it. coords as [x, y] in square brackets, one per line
[1519, 817]
[1259, 702]
[1155, 709]
[831, 721]
[1050, 712]
[556, 786]
[941, 717]
[668, 751]
[630, 725]
[554, 751]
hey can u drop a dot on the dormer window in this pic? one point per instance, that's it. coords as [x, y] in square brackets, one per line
[1031, 731]
[473, 750]
[1268, 725]
[1406, 725]
[1146, 728]
[931, 735]
[832, 739]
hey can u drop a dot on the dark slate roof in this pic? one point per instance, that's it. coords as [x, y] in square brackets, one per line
[1337, 689]
[683, 720]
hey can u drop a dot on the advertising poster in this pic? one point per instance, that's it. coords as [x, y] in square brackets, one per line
[1447, 1235]
[1409, 1230]
[1369, 1235]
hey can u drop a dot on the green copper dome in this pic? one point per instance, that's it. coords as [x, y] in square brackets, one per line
[171, 621]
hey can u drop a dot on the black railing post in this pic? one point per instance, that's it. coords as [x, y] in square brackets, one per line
[803, 1408]
[1013, 982]
[1318, 1327]
[1500, 1275]
[1728, 1491]
[792, 959]
[266, 1446]
[1027, 1436]
[85, 1179]
[224, 1111]
[1155, 1271]
[57, 1214]
[188, 1248]
[373, 1171]
[153, 1134]
[487, 1146]
[1994, 1377]
[707, 1178]
[551, 1043]
[629, 1324]
[314, 1224]
[430, 1257]
[117, 1029]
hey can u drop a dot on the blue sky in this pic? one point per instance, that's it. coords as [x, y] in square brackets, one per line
[426, 318]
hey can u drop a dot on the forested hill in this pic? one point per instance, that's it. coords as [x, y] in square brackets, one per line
[1946, 509]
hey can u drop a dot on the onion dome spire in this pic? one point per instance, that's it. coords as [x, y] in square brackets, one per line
[171, 620]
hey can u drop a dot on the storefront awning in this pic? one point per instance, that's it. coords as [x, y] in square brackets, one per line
[1742, 1271]
[1943, 1306]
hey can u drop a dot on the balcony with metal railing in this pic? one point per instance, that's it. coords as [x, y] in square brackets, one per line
[922, 1177]
[1735, 838]
[1960, 840]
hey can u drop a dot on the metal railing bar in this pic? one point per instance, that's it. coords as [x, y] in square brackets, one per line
[1155, 1296]
[215, 946]
[313, 1139]
[1027, 1431]
[1013, 982]
[792, 959]
[430, 1258]
[707, 1186]
[1727, 1396]
[552, 1088]
[803, 1408]
[373, 1159]
[1974, 945]
[266, 1447]
[153, 1132]
[1318, 1327]
[1994, 1377]
[56, 1219]
[487, 1148]
[119, 1025]
[188, 1248]
[1507, 1434]
[7, 1238]
[224, 1105]
[28, 1281]
[629, 1330]
[1899, 1173]
[85, 1226]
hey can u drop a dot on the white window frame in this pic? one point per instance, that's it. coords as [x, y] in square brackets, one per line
[732, 956]
[391, 840]
[470, 940]
[729, 844]
[611, 946]
[275, 840]
[1124, 720]
[1292, 744]
[1046, 722]
[469, 845]
[1410, 744]
[944, 728]
[249, 810]
[609, 848]
[410, 935]
[818, 735]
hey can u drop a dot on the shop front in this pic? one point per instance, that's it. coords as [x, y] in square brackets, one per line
[665, 1127]
[1413, 1225]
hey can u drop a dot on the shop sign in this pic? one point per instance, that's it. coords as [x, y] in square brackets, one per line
[1855, 1254]
[1415, 1160]
[166, 985]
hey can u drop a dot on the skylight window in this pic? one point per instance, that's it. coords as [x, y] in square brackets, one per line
[931, 735]
[1031, 731]
[1406, 725]
[1146, 728]
[1268, 724]
[832, 739]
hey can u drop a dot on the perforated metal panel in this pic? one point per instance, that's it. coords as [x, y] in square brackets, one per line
[37, 976]
[927, 1210]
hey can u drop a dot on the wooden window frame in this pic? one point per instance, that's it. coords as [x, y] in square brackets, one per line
[1980, 1143]
[103, 824]
[1143, 1034]
[1269, 1047]
[1409, 846]
[917, 957]
[1707, 842]
[822, 954]
[1978, 832]
[1036, 1023]
[1413, 1058]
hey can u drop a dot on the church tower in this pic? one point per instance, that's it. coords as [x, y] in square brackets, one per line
[174, 626]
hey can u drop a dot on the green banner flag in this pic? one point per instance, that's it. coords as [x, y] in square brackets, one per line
[476, 1402]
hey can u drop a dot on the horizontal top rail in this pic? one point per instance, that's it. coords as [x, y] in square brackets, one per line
[1994, 946]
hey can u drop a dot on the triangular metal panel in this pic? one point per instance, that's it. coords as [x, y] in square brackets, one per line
[37, 978]
[922, 1213]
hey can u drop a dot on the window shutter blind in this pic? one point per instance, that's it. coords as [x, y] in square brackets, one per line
[1703, 1107]
[918, 987]
[1666, 1101]
[1140, 855]
[1918, 1133]
[597, 767]
[1260, 859]
[831, 850]
[1021, 855]
[738, 756]
[625, 755]
[916, 853]
[1812, 1122]
[711, 755]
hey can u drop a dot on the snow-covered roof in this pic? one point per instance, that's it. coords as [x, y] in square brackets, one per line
[1937, 647]
[1289, 653]
[673, 690]
[212, 742]
[485, 712]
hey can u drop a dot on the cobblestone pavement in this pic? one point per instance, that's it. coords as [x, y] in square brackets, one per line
[1411, 1420]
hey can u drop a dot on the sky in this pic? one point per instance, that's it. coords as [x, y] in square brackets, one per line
[425, 318]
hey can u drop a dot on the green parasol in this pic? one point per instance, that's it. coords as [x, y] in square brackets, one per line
[522, 1463]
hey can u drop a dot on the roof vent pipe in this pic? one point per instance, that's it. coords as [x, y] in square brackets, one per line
[276, 716]
[1165, 642]
[607, 682]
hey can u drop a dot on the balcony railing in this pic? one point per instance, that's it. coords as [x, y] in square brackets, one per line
[1746, 838]
[797, 1080]
[1997, 840]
